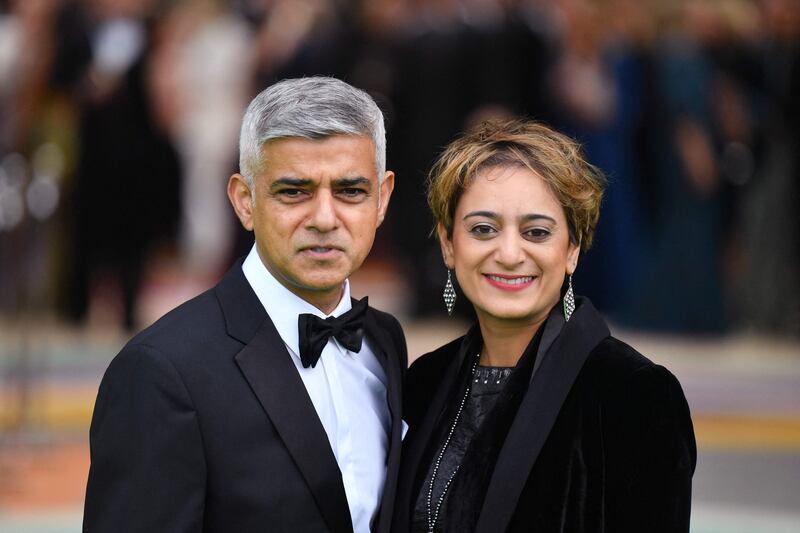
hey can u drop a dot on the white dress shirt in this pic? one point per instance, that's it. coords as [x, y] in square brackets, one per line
[348, 391]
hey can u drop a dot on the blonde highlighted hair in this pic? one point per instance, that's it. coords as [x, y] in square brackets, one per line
[554, 157]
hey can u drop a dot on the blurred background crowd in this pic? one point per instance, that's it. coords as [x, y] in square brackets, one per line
[118, 132]
[119, 125]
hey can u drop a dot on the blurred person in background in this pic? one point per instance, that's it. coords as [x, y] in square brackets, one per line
[652, 75]
[35, 136]
[598, 88]
[27, 53]
[272, 401]
[203, 77]
[435, 91]
[125, 192]
[682, 286]
[537, 418]
[768, 286]
[298, 38]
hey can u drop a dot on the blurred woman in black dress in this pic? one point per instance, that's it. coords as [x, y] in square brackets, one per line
[537, 419]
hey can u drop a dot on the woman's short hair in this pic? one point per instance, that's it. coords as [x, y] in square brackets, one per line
[312, 108]
[556, 158]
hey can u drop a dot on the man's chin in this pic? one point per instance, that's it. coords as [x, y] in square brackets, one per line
[322, 285]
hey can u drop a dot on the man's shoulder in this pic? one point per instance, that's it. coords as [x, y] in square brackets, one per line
[391, 326]
[385, 320]
[207, 317]
[191, 320]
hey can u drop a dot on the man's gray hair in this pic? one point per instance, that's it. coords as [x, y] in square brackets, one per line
[312, 108]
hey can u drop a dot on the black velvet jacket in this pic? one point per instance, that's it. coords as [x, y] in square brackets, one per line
[602, 440]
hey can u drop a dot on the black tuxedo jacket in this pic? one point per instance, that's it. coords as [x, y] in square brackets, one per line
[202, 423]
[602, 440]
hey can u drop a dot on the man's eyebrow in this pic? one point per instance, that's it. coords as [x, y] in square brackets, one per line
[350, 182]
[290, 182]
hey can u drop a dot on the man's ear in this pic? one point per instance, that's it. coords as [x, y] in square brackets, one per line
[447, 246]
[241, 198]
[384, 194]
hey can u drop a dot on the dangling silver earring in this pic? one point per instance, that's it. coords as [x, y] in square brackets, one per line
[449, 294]
[569, 300]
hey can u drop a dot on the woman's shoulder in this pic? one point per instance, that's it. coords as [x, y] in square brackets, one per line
[615, 359]
[645, 411]
[434, 363]
[617, 369]
[424, 378]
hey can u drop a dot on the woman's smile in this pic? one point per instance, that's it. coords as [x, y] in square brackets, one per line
[509, 283]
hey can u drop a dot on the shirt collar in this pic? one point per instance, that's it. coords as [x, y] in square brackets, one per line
[282, 305]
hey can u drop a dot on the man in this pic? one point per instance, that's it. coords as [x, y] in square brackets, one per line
[220, 417]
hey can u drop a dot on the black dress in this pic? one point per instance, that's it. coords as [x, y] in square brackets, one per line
[486, 385]
[470, 439]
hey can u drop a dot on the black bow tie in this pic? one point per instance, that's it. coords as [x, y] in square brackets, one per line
[348, 329]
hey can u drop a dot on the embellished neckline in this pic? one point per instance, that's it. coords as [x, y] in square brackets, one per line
[491, 374]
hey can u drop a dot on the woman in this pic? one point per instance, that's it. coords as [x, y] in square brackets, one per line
[537, 419]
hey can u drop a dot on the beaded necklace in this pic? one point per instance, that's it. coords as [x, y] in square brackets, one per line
[433, 515]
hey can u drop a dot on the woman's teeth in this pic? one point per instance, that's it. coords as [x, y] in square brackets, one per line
[511, 281]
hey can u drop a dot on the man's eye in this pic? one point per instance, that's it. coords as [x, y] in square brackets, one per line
[351, 193]
[291, 193]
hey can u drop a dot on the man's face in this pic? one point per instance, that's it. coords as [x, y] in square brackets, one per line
[314, 210]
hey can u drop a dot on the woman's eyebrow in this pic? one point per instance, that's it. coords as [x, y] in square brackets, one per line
[536, 216]
[485, 214]
[495, 216]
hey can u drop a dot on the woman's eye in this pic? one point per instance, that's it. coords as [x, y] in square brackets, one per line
[537, 233]
[482, 229]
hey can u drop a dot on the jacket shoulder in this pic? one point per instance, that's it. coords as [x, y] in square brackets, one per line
[613, 362]
[392, 326]
[632, 382]
[194, 328]
[433, 364]
[187, 321]
[424, 377]
[386, 321]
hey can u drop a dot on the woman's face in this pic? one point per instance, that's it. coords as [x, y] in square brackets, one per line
[510, 247]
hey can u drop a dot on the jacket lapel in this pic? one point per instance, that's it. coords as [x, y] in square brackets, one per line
[270, 372]
[389, 358]
[549, 387]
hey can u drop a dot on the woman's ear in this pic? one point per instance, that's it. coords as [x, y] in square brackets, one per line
[572, 257]
[447, 246]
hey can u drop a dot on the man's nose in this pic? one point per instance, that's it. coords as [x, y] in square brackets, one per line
[323, 217]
